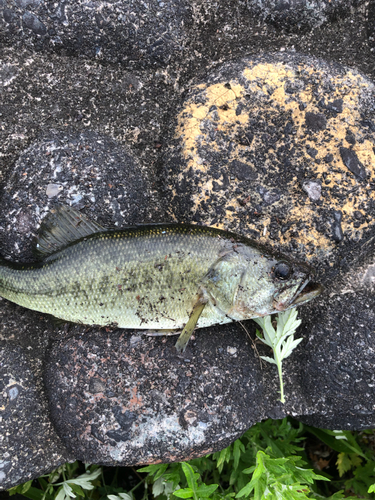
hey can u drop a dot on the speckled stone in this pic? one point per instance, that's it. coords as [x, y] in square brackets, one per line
[124, 398]
[250, 139]
[79, 169]
[140, 33]
[29, 445]
[339, 355]
[370, 25]
[299, 15]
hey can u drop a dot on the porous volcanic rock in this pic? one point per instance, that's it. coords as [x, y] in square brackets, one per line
[337, 361]
[133, 32]
[78, 169]
[28, 442]
[298, 15]
[370, 25]
[89, 171]
[276, 147]
[279, 148]
[124, 398]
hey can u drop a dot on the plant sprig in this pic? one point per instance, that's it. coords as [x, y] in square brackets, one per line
[281, 340]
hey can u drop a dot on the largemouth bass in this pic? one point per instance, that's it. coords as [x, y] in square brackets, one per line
[163, 277]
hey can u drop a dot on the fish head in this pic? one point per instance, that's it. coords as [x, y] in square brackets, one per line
[271, 284]
[293, 283]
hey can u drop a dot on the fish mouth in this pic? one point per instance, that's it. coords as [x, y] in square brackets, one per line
[306, 292]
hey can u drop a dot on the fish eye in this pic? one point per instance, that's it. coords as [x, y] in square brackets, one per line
[282, 271]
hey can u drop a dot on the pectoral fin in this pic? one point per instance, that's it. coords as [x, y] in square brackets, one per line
[187, 332]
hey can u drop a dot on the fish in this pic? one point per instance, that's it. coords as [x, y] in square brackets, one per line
[154, 277]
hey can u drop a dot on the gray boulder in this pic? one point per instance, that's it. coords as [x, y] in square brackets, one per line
[131, 32]
[28, 441]
[124, 398]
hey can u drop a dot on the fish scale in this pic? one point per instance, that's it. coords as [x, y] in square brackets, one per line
[128, 278]
[161, 277]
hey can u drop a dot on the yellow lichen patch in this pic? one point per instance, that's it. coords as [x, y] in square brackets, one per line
[193, 114]
[244, 124]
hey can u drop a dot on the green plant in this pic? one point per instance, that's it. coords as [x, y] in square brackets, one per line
[61, 484]
[270, 461]
[280, 340]
[266, 463]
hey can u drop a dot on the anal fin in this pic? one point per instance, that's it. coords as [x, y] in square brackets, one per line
[187, 332]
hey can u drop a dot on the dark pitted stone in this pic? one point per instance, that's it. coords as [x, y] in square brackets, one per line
[125, 398]
[370, 25]
[81, 170]
[29, 446]
[339, 355]
[299, 15]
[351, 161]
[33, 23]
[131, 31]
[253, 137]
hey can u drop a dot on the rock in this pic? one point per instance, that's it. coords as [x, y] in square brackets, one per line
[370, 26]
[313, 189]
[337, 233]
[30, 21]
[140, 33]
[125, 398]
[28, 442]
[108, 178]
[351, 161]
[277, 147]
[298, 15]
[260, 129]
[339, 357]
[82, 170]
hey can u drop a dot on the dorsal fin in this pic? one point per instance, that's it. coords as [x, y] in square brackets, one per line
[62, 226]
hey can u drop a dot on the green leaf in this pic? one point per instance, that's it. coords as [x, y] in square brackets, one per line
[346, 462]
[205, 490]
[279, 476]
[268, 359]
[26, 487]
[33, 493]
[339, 495]
[61, 494]
[223, 456]
[156, 470]
[343, 463]
[77, 489]
[371, 489]
[238, 448]
[21, 488]
[120, 496]
[184, 493]
[363, 478]
[332, 439]
[191, 476]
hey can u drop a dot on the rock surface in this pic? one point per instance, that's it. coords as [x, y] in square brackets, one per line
[142, 33]
[299, 15]
[186, 111]
[26, 431]
[279, 148]
[123, 397]
[339, 355]
[79, 170]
